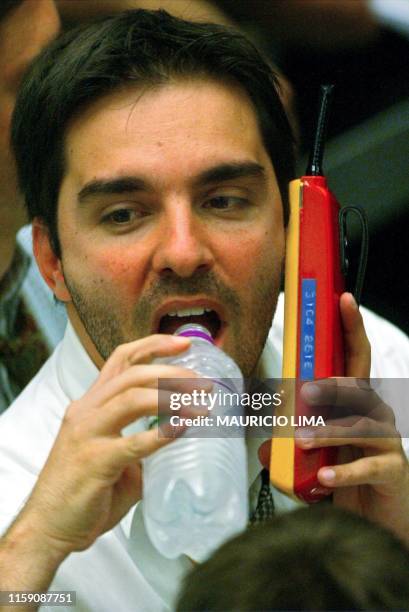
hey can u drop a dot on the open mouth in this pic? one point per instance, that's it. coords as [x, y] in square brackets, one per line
[207, 317]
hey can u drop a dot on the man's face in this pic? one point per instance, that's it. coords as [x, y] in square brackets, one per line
[169, 212]
[23, 33]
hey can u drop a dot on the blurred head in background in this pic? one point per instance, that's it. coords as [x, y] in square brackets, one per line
[26, 26]
[316, 558]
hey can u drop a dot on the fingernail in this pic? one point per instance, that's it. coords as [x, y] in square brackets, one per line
[206, 384]
[352, 301]
[328, 474]
[304, 432]
[311, 392]
[180, 339]
[166, 430]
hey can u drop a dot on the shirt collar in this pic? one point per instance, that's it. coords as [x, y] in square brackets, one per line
[75, 369]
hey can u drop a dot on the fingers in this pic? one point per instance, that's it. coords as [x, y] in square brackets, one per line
[127, 407]
[356, 343]
[141, 351]
[171, 377]
[357, 431]
[126, 492]
[351, 395]
[137, 446]
[387, 470]
[133, 404]
[126, 392]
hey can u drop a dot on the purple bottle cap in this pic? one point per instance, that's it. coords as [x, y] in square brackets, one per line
[194, 331]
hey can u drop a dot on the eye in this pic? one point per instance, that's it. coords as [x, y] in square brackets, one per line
[123, 215]
[120, 216]
[223, 202]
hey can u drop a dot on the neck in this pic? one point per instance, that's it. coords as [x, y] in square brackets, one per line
[83, 336]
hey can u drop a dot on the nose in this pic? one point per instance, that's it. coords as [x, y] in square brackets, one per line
[183, 246]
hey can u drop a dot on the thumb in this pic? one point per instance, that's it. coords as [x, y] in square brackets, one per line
[356, 343]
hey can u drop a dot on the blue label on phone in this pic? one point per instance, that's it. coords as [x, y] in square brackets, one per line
[307, 339]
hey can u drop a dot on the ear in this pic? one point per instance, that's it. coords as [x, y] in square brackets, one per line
[48, 262]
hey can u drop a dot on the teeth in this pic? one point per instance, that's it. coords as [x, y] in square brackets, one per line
[188, 312]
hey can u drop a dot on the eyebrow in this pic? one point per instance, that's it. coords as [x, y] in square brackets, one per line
[129, 184]
[229, 171]
[119, 185]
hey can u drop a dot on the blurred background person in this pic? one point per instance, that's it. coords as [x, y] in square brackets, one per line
[26, 314]
[316, 558]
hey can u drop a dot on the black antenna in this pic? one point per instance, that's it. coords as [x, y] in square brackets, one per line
[314, 167]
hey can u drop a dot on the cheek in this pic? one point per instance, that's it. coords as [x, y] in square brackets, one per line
[114, 269]
[253, 255]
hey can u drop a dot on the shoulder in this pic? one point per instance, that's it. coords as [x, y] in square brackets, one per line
[28, 429]
[34, 417]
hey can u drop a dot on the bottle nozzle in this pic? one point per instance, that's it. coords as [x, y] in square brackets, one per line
[194, 330]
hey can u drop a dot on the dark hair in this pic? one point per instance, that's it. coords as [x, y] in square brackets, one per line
[6, 6]
[147, 48]
[318, 558]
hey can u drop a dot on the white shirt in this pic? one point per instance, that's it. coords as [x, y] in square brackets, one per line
[391, 13]
[122, 571]
[50, 316]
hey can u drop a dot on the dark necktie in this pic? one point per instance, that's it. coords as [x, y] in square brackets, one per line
[265, 504]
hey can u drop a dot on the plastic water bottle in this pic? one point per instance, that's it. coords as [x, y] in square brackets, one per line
[195, 489]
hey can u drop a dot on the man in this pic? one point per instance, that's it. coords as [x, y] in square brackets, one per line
[31, 324]
[156, 174]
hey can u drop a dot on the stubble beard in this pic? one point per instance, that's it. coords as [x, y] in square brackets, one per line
[249, 326]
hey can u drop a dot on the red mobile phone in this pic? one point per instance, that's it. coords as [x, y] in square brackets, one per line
[313, 341]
